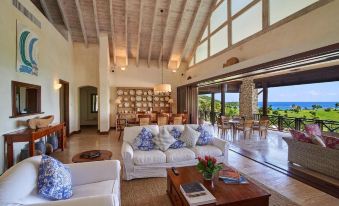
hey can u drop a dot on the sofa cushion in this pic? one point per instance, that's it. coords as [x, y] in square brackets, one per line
[313, 129]
[54, 179]
[300, 136]
[176, 133]
[148, 157]
[130, 133]
[331, 142]
[210, 150]
[189, 136]
[164, 140]
[179, 155]
[144, 140]
[171, 127]
[205, 136]
[93, 189]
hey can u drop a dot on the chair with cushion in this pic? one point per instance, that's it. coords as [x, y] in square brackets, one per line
[121, 124]
[177, 119]
[18, 185]
[224, 126]
[154, 117]
[144, 119]
[262, 127]
[245, 127]
[162, 119]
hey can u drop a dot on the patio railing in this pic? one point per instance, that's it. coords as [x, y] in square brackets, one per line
[282, 123]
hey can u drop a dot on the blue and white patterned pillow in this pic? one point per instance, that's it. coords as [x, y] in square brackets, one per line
[205, 137]
[54, 179]
[144, 140]
[177, 144]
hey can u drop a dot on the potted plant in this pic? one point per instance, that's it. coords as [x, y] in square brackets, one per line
[208, 167]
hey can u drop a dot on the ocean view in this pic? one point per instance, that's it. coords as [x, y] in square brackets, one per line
[303, 105]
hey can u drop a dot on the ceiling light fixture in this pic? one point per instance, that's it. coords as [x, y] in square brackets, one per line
[162, 87]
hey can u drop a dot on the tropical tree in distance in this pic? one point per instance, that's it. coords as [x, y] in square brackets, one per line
[336, 105]
[313, 114]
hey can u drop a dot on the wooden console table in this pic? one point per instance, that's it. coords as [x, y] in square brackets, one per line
[30, 135]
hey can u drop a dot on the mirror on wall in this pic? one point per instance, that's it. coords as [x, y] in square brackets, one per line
[26, 99]
[94, 103]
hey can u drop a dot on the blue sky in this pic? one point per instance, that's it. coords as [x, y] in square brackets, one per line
[322, 92]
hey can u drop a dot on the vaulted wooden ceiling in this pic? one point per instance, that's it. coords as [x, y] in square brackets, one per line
[137, 28]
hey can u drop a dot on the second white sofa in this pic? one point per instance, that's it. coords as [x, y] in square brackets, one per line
[143, 164]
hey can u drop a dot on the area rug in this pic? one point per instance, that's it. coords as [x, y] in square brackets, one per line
[152, 192]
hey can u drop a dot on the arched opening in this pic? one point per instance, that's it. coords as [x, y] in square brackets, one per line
[89, 106]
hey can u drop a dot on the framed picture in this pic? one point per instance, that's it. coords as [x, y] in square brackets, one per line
[27, 50]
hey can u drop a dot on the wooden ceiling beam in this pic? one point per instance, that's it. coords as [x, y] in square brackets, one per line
[96, 20]
[197, 41]
[126, 30]
[176, 30]
[82, 24]
[194, 19]
[112, 30]
[152, 32]
[164, 33]
[141, 11]
[64, 16]
[46, 10]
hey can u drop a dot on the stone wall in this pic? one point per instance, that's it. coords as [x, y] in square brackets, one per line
[248, 98]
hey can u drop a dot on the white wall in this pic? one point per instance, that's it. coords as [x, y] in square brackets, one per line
[315, 29]
[55, 62]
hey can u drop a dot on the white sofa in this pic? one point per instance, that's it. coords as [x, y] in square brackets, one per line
[143, 164]
[94, 183]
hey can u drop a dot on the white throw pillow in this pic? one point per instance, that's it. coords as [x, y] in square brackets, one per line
[189, 136]
[164, 140]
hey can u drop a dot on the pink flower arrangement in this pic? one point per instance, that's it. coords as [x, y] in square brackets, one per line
[208, 166]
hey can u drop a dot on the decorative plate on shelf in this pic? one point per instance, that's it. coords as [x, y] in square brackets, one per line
[133, 99]
[125, 93]
[144, 99]
[167, 93]
[132, 105]
[166, 99]
[138, 104]
[139, 92]
[149, 104]
[120, 92]
[150, 92]
[156, 99]
[167, 105]
[131, 92]
[125, 99]
[156, 93]
[162, 104]
[138, 98]
[126, 104]
[161, 99]
[120, 105]
[145, 93]
[144, 104]
[149, 98]
[156, 105]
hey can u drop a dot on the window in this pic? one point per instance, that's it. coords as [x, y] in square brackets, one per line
[219, 16]
[204, 35]
[219, 41]
[280, 9]
[201, 52]
[237, 5]
[247, 24]
[94, 103]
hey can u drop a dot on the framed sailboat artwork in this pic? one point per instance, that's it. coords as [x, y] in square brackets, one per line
[27, 50]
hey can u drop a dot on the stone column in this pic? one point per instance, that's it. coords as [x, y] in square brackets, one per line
[248, 99]
[104, 94]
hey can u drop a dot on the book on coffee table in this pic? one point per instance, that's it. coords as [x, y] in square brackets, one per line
[196, 194]
[232, 176]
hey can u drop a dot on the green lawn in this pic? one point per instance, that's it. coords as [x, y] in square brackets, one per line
[320, 114]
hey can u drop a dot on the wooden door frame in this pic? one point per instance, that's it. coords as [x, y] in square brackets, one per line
[65, 84]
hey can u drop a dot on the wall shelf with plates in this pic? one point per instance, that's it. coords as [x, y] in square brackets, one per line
[138, 99]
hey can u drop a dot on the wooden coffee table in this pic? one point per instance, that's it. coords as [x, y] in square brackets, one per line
[105, 155]
[226, 194]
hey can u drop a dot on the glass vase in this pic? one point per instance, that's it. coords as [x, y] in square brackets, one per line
[207, 176]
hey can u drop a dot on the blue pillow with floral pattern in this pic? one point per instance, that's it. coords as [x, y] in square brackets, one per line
[205, 137]
[54, 179]
[177, 144]
[144, 140]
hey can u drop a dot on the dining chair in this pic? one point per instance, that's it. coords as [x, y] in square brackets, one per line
[224, 125]
[246, 127]
[120, 126]
[162, 119]
[184, 117]
[177, 119]
[262, 127]
[144, 119]
[154, 117]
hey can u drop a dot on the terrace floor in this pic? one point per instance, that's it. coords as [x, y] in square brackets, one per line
[273, 153]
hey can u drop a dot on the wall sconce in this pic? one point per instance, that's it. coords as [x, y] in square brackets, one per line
[57, 86]
[123, 68]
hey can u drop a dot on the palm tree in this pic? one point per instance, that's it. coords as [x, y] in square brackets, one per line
[336, 105]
